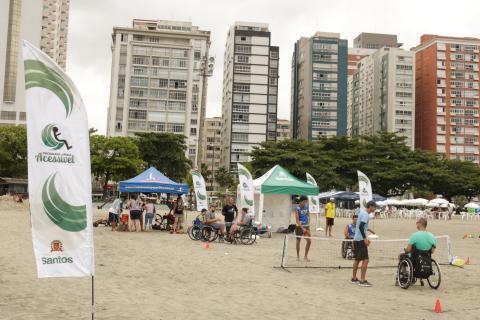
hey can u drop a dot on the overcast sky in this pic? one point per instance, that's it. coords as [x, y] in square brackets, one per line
[91, 23]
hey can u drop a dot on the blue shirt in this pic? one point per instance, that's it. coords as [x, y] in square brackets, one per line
[362, 217]
[351, 229]
[303, 215]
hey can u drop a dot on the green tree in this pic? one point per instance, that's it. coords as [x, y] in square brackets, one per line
[13, 151]
[166, 152]
[114, 158]
[206, 172]
[224, 178]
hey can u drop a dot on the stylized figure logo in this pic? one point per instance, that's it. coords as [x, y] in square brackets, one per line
[51, 137]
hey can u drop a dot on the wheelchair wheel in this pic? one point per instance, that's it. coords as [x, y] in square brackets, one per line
[194, 232]
[209, 234]
[436, 277]
[158, 219]
[405, 273]
[344, 249]
[247, 236]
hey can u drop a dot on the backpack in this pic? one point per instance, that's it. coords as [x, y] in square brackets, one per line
[423, 266]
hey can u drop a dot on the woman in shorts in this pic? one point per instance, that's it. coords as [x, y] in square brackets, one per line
[178, 208]
[136, 214]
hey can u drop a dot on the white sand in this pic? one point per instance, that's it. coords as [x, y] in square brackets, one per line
[156, 275]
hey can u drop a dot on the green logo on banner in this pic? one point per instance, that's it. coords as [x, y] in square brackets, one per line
[362, 178]
[248, 201]
[37, 74]
[66, 216]
[49, 139]
[201, 196]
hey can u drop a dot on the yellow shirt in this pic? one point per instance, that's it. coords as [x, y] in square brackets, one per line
[330, 210]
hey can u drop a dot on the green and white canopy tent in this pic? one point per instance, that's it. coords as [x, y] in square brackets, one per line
[273, 192]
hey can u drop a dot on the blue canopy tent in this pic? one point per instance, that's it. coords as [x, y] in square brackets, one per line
[153, 180]
[346, 199]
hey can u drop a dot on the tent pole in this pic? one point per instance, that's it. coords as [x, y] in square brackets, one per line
[260, 208]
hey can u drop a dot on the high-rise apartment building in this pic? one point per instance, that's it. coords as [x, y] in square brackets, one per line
[447, 96]
[283, 130]
[376, 41]
[26, 19]
[382, 93]
[211, 144]
[250, 87]
[354, 57]
[54, 30]
[319, 87]
[159, 80]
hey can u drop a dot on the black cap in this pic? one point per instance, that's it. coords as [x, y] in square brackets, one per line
[371, 203]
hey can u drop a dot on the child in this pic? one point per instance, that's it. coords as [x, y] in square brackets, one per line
[149, 214]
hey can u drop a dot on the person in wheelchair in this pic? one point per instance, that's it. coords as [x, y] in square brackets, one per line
[349, 233]
[243, 221]
[214, 222]
[420, 242]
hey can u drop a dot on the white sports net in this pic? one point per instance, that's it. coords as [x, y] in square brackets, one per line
[328, 253]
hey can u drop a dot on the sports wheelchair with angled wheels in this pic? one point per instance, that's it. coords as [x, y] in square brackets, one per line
[418, 266]
[347, 249]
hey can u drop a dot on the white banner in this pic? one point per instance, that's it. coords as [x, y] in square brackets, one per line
[313, 201]
[200, 190]
[246, 189]
[365, 189]
[59, 179]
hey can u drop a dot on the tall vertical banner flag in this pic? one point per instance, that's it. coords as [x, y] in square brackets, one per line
[313, 201]
[365, 189]
[246, 189]
[200, 190]
[59, 178]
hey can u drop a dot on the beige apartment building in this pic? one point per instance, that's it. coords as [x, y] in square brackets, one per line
[159, 80]
[382, 94]
[211, 144]
[45, 25]
[283, 130]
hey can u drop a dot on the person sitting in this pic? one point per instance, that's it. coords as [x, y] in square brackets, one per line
[213, 221]
[421, 240]
[349, 231]
[243, 221]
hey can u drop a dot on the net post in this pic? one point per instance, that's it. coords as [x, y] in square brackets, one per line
[284, 258]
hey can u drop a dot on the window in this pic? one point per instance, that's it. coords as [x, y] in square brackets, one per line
[140, 71]
[141, 60]
[241, 87]
[193, 131]
[158, 93]
[159, 83]
[138, 103]
[402, 94]
[197, 55]
[178, 95]
[241, 118]
[175, 127]
[242, 108]
[403, 67]
[243, 59]
[138, 82]
[177, 106]
[178, 84]
[243, 49]
[123, 37]
[242, 68]
[8, 115]
[242, 137]
[137, 114]
[138, 92]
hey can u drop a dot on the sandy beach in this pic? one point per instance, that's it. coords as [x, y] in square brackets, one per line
[156, 275]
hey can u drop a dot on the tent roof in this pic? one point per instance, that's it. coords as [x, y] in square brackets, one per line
[347, 195]
[279, 181]
[152, 180]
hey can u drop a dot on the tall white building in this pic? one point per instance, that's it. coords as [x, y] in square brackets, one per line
[382, 94]
[250, 88]
[211, 143]
[159, 80]
[27, 19]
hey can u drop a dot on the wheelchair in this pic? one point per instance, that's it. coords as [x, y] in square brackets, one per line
[164, 223]
[347, 249]
[195, 230]
[246, 235]
[419, 266]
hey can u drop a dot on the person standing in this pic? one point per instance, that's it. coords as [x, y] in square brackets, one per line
[136, 213]
[230, 212]
[360, 245]
[114, 212]
[302, 221]
[149, 214]
[178, 208]
[329, 217]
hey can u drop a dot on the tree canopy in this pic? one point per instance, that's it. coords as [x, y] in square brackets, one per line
[393, 168]
[166, 152]
[13, 151]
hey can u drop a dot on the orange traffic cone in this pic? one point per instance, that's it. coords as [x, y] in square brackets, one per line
[207, 245]
[438, 307]
[468, 261]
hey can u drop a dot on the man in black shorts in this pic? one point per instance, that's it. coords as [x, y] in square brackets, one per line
[360, 245]
[230, 212]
